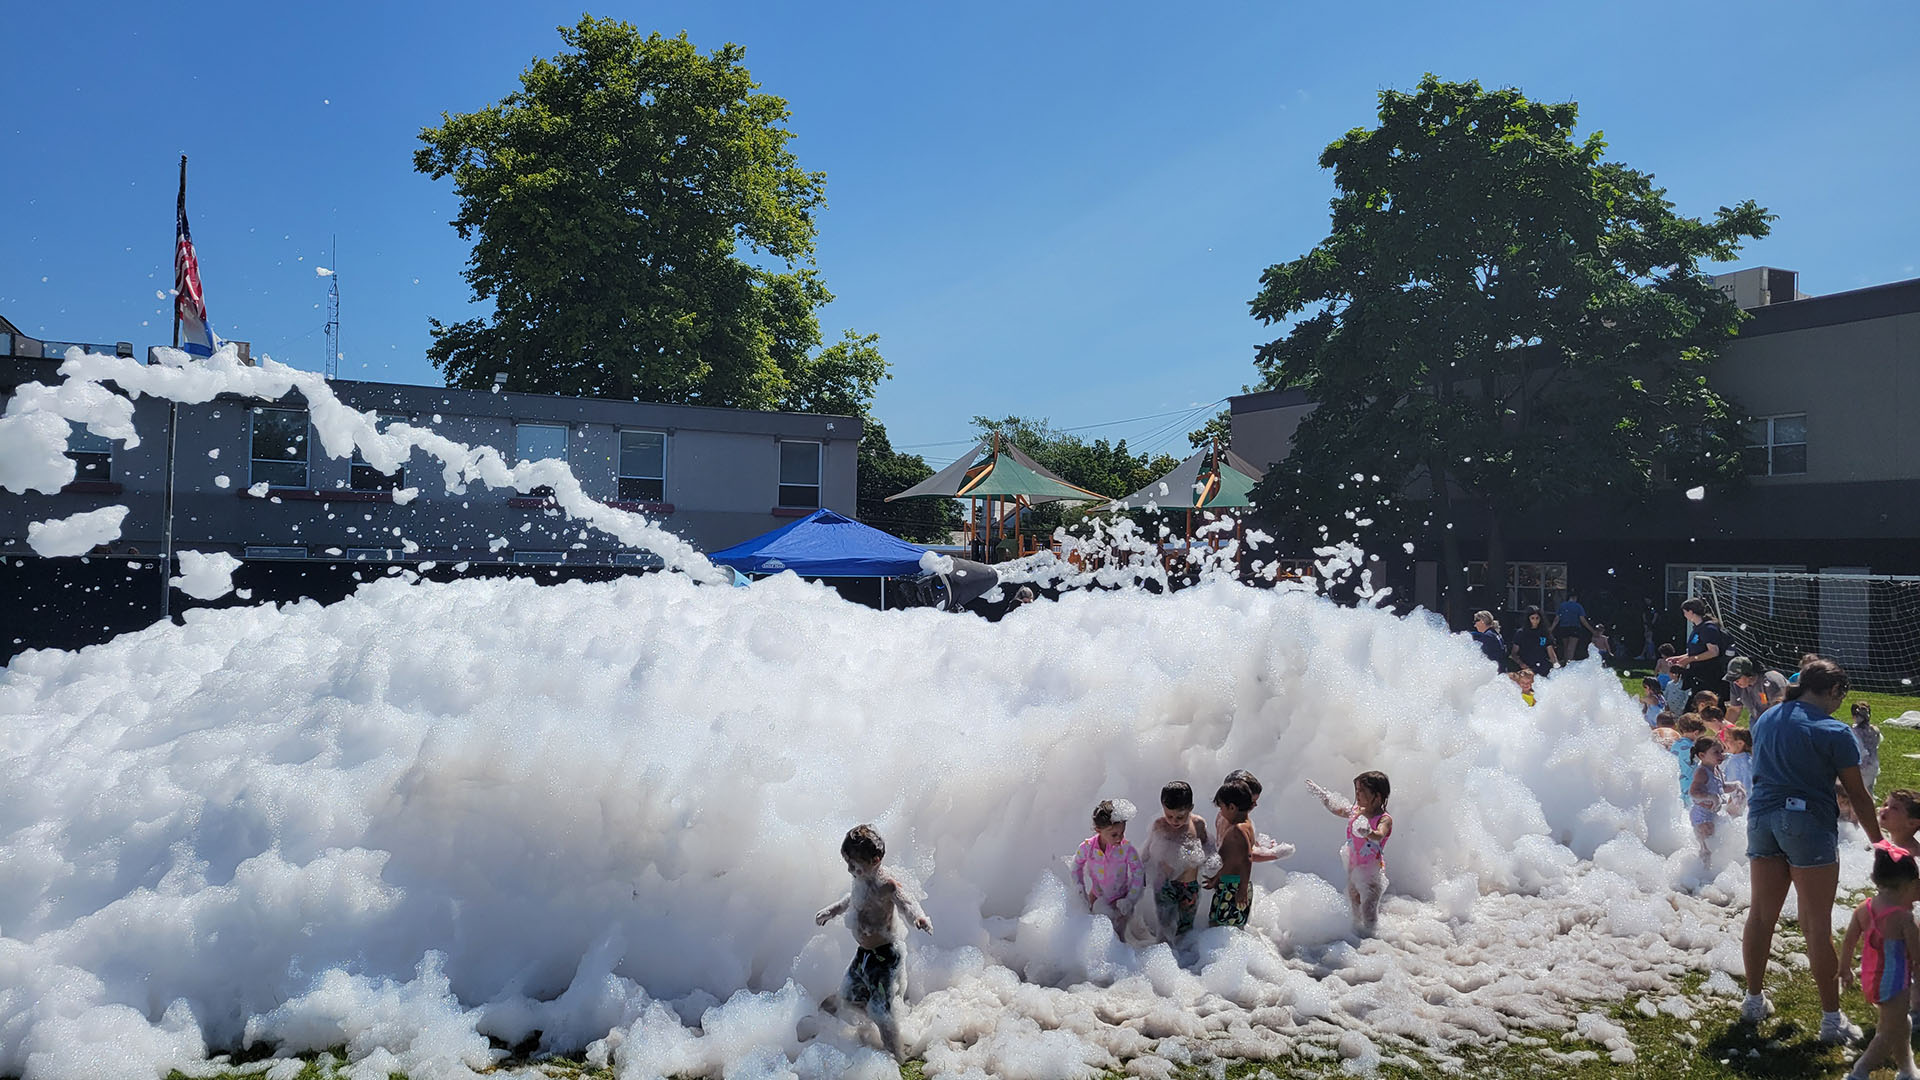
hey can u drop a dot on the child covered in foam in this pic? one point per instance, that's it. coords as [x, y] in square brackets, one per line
[1369, 826]
[1178, 845]
[1107, 867]
[875, 907]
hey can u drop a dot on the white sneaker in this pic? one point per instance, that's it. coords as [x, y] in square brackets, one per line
[1836, 1028]
[1756, 1008]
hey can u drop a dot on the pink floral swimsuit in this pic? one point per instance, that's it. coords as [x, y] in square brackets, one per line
[1111, 875]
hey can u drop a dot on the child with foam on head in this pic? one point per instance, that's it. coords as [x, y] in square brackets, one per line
[1232, 891]
[1177, 846]
[1868, 738]
[1106, 866]
[1369, 826]
[1882, 928]
[1710, 790]
[876, 907]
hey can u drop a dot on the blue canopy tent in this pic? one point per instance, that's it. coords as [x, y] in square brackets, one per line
[826, 544]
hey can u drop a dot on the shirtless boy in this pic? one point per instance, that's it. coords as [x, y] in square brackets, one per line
[1232, 892]
[1177, 844]
[878, 909]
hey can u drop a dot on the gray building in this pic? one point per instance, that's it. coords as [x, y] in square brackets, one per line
[1831, 384]
[249, 479]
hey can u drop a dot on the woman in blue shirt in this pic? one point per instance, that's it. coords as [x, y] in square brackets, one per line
[1793, 833]
[1533, 644]
[1486, 633]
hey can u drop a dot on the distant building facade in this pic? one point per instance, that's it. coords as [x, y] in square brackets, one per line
[1833, 385]
[713, 476]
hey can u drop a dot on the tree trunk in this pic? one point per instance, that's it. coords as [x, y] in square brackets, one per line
[1496, 557]
[1455, 595]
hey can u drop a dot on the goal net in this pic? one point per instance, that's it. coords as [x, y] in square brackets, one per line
[1868, 625]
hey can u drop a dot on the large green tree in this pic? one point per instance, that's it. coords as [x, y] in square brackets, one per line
[885, 471]
[610, 201]
[1499, 321]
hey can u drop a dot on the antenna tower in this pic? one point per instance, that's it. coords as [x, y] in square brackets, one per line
[333, 315]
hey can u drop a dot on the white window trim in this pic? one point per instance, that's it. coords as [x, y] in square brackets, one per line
[620, 466]
[566, 439]
[819, 474]
[306, 457]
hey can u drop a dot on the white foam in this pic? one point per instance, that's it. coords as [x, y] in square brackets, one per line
[430, 814]
[205, 575]
[76, 534]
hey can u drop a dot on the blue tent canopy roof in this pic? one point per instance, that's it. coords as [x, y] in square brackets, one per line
[825, 544]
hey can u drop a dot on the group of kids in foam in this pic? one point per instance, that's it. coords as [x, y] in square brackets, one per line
[1180, 857]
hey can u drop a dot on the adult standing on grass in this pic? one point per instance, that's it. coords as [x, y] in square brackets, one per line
[1706, 661]
[1793, 834]
[1751, 691]
[1571, 628]
[1532, 644]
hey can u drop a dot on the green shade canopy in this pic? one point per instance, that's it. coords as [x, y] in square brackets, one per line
[1005, 473]
[1207, 480]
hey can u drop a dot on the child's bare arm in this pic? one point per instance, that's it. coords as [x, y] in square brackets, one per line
[1335, 805]
[827, 913]
[1207, 845]
[909, 906]
[1385, 828]
[1699, 789]
[1847, 945]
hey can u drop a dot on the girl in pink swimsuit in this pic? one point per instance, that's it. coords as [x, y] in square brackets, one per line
[1884, 930]
[1365, 851]
[1106, 867]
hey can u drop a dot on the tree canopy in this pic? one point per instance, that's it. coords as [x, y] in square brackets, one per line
[610, 200]
[885, 471]
[1499, 320]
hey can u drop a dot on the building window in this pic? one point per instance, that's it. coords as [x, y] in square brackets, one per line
[271, 551]
[1529, 584]
[800, 474]
[92, 455]
[538, 442]
[643, 466]
[1777, 445]
[280, 447]
[542, 558]
[364, 477]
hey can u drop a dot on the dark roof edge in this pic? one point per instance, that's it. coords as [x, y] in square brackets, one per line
[1262, 400]
[1856, 305]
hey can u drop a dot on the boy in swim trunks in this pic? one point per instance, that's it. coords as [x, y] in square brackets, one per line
[1177, 844]
[1232, 893]
[878, 909]
[1883, 928]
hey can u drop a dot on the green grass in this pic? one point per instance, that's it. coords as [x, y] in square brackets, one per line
[1711, 1045]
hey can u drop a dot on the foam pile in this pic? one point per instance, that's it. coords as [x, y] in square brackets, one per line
[432, 821]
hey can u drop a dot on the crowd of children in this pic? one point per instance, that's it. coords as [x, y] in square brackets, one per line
[1181, 856]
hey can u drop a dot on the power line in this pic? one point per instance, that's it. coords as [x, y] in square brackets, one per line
[1082, 427]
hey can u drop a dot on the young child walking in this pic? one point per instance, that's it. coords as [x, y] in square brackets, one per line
[1232, 891]
[1178, 844]
[1738, 770]
[1882, 928]
[1651, 703]
[1690, 729]
[1365, 852]
[1107, 867]
[1867, 737]
[1710, 789]
[878, 909]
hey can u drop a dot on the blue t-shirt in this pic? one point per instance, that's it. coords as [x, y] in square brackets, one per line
[1798, 752]
[1570, 614]
[1491, 645]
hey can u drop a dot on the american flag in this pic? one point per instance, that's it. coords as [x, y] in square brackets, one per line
[189, 303]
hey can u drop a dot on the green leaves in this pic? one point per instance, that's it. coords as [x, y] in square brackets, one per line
[608, 200]
[1495, 301]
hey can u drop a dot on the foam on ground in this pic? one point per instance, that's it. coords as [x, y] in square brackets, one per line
[431, 820]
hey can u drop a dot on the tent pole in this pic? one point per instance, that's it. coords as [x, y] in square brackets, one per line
[883, 594]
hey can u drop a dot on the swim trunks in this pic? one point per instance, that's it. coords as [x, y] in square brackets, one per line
[1226, 909]
[1178, 902]
[870, 977]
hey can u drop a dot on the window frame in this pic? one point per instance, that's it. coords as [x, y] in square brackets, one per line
[77, 431]
[305, 459]
[621, 475]
[819, 473]
[543, 491]
[392, 481]
[1769, 444]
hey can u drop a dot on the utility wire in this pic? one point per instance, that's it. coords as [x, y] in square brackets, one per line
[1083, 427]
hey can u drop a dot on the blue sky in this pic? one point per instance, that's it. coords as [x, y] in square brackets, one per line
[1057, 210]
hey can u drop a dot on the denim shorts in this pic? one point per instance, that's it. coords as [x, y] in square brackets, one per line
[1794, 835]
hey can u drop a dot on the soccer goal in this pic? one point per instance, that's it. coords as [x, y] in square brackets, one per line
[1869, 625]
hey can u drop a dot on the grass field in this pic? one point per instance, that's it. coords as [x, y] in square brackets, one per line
[1710, 1045]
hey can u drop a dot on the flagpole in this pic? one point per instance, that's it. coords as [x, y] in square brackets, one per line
[173, 425]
